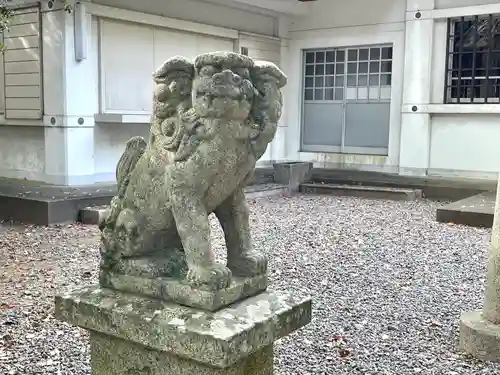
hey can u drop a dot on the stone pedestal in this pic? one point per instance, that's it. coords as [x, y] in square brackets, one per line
[132, 334]
[480, 330]
[292, 174]
[113, 356]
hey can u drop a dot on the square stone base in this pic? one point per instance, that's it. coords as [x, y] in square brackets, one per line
[236, 340]
[169, 289]
[113, 356]
[479, 337]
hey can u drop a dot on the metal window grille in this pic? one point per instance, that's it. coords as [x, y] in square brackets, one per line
[473, 60]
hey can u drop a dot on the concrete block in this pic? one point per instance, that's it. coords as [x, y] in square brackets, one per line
[264, 191]
[369, 192]
[475, 211]
[292, 174]
[93, 215]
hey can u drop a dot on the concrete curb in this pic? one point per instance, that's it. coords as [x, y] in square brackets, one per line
[361, 191]
[93, 215]
[475, 211]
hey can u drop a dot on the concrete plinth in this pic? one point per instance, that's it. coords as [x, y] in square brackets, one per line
[292, 174]
[479, 337]
[113, 356]
[475, 211]
[140, 335]
[480, 330]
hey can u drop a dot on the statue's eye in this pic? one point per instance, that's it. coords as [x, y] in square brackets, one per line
[207, 70]
[242, 72]
[165, 81]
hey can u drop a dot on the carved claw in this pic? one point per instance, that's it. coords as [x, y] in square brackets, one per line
[215, 277]
[248, 264]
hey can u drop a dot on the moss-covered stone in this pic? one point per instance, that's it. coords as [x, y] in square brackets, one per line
[218, 339]
[212, 120]
[181, 292]
[112, 356]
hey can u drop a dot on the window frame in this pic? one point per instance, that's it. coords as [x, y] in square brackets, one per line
[387, 99]
[380, 73]
[487, 80]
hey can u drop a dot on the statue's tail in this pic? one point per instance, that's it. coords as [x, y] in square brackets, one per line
[133, 151]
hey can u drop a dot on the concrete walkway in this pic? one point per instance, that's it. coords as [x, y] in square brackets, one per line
[475, 211]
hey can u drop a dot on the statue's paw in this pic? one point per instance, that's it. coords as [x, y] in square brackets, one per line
[248, 264]
[215, 277]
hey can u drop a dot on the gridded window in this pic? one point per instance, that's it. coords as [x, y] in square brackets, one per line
[348, 74]
[473, 60]
[324, 75]
[347, 95]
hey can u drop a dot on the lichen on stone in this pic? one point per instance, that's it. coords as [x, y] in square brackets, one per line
[212, 120]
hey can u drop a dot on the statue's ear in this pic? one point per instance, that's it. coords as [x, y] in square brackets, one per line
[172, 66]
[267, 68]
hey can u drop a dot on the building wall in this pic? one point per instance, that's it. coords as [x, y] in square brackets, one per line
[466, 145]
[133, 50]
[22, 152]
[110, 140]
[460, 140]
[203, 12]
[328, 15]
[444, 4]
[129, 54]
[436, 139]
[341, 24]
[22, 147]
[92, 107]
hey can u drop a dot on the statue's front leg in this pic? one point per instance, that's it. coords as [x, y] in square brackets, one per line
[242, 259]
[193, 227]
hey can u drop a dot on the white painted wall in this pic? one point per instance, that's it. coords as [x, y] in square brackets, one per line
[203, 12]
[67, 146]
[262, 48]
[460, 140]
[465, 145]
[333, 14]
[437, 139]
[443, 4]
[131, 51]
[110, 140]
[22, 151]
[339, 23]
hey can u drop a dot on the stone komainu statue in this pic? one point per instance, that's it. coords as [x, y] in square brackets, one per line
[212, 120]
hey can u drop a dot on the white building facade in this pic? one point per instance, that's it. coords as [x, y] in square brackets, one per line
[401, 86]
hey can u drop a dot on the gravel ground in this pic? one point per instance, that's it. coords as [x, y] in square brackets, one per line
[388, 283]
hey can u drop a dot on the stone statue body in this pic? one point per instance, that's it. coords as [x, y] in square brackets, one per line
[212, 120]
